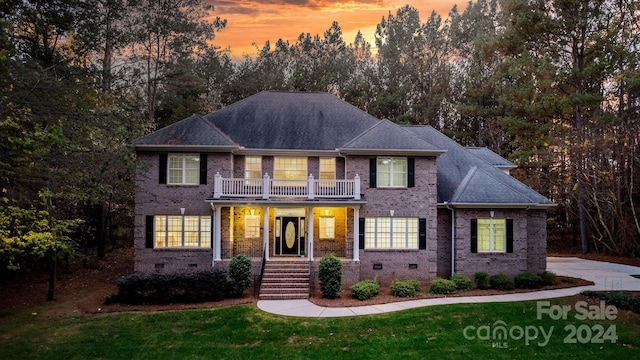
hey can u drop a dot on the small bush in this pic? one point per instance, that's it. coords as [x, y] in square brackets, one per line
[501, 282]
[171, 288]
[482, 280]
[463, 283]
[442, 286]
[365, 289]
[240, 276]
[330, 276]
[618, 299]
[527, 280]
[548, 278]
[405, 288]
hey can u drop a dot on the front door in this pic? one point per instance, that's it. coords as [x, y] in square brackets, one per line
[291, 236]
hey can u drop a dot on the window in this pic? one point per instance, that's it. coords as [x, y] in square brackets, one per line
[182, 231]
[327, 169]
[290, 170]
[184, 169]
[491, 235]
[391, 233]
[392, 172]
[253, 169]
[252, 226]
[327, 227]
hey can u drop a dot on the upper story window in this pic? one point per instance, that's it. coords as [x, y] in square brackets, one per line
[327, 168]
[253, 168]
[289, 170]
[392, 172]
[184, 169]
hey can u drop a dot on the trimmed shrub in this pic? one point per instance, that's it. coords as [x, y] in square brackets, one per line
[548, 277]
[618, 299]
[442, 286]
[482, 280]
[527, 280]
[501, 282]
[330, 276]
[365, 289]
[405, 288]
[170, 288]
[463, 283]
[240, 276]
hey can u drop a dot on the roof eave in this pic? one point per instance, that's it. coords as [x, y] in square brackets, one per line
[404, 152]
[461, 205]
[199, 148]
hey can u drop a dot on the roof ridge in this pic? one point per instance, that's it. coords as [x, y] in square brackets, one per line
[464, 183]
[208, 122]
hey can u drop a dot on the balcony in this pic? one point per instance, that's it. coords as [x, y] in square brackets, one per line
[267, 188]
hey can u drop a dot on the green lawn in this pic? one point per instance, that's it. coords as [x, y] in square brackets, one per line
[244, 332]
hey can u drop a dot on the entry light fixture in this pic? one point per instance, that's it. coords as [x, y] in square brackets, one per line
[182, 210]
[391, 212]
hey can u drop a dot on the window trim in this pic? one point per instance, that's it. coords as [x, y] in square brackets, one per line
[322, 226]
[392, 172]
[183, 157]
[508, 237]
[406, 235]
[203, 241]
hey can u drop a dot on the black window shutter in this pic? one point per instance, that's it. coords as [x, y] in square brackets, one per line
[203, 169]
[373, 172]
[411, 172]
[149, 232]
[162, 174]
[509, 235]
[361, 233]
[422, 234]
[474, 235]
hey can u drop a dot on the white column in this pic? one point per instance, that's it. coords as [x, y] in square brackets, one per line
[217, 233]
[265, 232]
[356, 233]
[310, 234]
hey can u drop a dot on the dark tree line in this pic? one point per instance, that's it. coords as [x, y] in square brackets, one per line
[553, 85]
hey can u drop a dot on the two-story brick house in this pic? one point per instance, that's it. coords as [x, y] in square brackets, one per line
[298, 175]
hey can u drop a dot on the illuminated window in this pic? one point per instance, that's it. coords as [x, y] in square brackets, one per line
[392, 172]
[391, 233]
[290, 170]
[327, 227]
[252, 226]
[184, 169]
[327, 169]
[253, 169]
[182, 231]
[491, 235]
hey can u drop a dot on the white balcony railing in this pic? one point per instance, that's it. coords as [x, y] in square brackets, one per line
[267, 188]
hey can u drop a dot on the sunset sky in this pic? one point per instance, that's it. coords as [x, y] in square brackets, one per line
[256, 21]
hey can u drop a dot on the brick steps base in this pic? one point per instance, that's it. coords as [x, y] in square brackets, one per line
[285, 280]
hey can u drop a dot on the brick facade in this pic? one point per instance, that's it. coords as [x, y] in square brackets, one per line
[420, 201]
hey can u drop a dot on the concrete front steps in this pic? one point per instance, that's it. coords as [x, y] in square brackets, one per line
[285, 280]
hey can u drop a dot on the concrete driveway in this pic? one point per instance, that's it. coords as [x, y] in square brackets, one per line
[606, 276]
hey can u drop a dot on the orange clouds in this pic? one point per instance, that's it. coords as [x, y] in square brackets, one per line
[256, 21]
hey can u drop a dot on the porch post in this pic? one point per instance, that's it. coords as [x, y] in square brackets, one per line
[265, 232]
[217, 248]
[310, 234]
[356, 233]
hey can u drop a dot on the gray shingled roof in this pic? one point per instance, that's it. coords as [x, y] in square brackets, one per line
[388, 136]
[491, 157]
[292, 121]
[192, 131]
[464, 179]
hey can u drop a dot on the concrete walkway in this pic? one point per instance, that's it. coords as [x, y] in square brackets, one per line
[606, 276]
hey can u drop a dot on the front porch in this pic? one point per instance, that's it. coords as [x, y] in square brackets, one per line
[286, 232]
